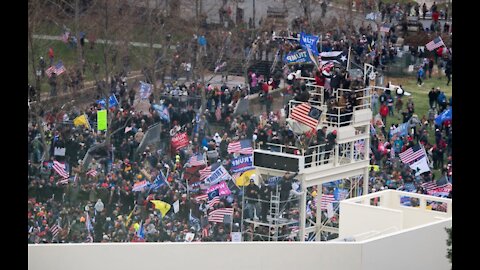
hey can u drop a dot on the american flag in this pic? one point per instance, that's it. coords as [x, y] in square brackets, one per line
[59, 68]
[437, 42]
[205, 232]
[326, 199]
[64, 181]
[219, 214]
[385, 27]
[218, 112]
[88, 224]
[242, 147]
[411, 154]
[213, 198]
[92, 172]
[55, 230]
[60, 169]
[199, 198]
[205, 172]
[306, 114]
[197, 160]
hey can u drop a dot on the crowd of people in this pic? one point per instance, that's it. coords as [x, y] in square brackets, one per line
[115, 196]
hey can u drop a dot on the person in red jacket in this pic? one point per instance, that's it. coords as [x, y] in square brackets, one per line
[50, 55]
[384, 112]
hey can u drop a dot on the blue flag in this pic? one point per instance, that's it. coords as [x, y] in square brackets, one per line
[159, 181]
[145, 90]
[401, 130]
[141, 232]
[295, 57]
[444, 116]
[162, 110]
[212, 194]
[112, 102]
[340, 194]
[309, 41]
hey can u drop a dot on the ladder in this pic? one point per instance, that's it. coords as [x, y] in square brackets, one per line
[274, 213]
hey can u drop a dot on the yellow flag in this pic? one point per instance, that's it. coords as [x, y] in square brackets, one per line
[129, 218]
[81, 121]
[375, 167]
[162, 206]
[244, 179]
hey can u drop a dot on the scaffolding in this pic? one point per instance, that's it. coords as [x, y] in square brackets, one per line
[346, 162]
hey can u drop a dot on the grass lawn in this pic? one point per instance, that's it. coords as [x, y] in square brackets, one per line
[420, 98]
[420, 94]
[68, 56]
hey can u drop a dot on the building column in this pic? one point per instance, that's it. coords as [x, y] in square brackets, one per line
[318, 222]
[303, 209]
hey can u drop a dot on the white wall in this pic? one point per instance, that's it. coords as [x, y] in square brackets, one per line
[231, 256]
[419, 248]
[360, 218]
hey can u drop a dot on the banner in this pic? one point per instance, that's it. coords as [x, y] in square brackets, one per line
[242, 164]
[442, 191]
[57, 151]
[145, 90]
[309, 41]
[223, 189]
[401, 130]
[297, 57]
[176, 206]
[180, 140]
[218, 175]
[236, 236]
[274, 180]
[102, 120]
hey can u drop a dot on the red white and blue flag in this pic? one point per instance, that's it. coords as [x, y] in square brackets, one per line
[139, 186]
[213, 198]
[306, 114]
[58, 69]
[326, 199]
[197, 160]
[60, 169]
[413, 153]
[242, 147]
[218, 215]
[92, 172]
[437, 42]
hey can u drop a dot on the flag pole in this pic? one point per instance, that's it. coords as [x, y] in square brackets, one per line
[348, 59]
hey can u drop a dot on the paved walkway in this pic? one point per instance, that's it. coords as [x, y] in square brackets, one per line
[103, 41]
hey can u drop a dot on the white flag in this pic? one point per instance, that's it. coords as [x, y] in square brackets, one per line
[420, 165]
[189, 236]
[176, 206]
[330, 210]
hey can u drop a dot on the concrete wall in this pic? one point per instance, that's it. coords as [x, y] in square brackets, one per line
[359, 218]
[198, 256]
[420, 248]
